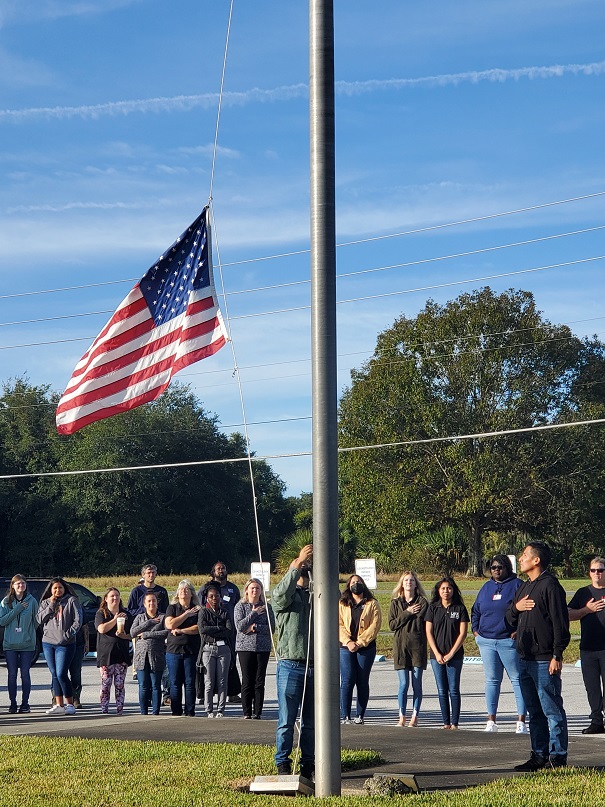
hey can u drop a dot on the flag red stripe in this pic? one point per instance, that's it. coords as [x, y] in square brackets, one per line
[137, 375]
[104, 412]
[181, 335]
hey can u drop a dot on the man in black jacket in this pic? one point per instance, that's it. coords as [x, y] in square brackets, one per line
[540, 618]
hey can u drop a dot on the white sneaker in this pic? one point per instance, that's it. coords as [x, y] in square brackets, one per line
[358, 720]
[491, 727]
[210, 714]
[70, 709]
[522, 727]
[56, 710]
[219, 714]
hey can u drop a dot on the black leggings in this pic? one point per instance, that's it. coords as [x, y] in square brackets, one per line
[254, 669]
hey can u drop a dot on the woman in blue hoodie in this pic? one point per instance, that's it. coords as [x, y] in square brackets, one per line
[19, 618]
[494, 639]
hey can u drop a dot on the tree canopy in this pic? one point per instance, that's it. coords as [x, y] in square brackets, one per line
[183, 518]
[480, 364]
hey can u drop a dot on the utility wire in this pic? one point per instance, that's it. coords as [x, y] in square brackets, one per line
[432, 287]
[341, 450]
[339, 245]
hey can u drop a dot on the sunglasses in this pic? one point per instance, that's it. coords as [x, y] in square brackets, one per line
[495, 568]
[597, 571]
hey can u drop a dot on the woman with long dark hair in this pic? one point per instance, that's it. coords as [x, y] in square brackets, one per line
[19, 618]
[113, 648]
[406, 620]
[446, 623]
[60, 615]
[359, 620]
[254, 623]
[493, 635]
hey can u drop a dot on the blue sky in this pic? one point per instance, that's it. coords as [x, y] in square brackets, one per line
[446, 112]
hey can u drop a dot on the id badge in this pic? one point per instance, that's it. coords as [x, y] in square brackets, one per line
[220, 642]
[18, 630]
[497, 597]
[226, 598]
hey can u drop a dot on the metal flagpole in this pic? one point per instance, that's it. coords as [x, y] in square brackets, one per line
[325, 435]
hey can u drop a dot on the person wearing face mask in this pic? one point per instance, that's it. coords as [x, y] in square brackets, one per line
[406, 620]
[493, 635]
[359, 620]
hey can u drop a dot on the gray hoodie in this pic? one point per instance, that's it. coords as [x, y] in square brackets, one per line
[60, 621]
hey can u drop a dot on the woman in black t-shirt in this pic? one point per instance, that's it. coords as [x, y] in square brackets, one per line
[113, 648]
[446, 626]
[182, 648]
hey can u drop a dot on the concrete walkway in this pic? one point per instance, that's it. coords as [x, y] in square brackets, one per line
[439, 759]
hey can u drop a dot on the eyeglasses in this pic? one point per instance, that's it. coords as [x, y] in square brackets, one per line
[597, 571]
[496, 568]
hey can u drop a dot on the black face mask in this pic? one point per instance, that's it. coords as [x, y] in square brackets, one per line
[357, 588]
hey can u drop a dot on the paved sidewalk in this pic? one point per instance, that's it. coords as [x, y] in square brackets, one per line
[440, 759]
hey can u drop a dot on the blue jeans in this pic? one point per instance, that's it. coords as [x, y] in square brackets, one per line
[290, 679]
[19, 660]
[404, 682]
[59, 657]
[547, 718]
[75, 672]
[447, 678]
[355, 669]
[182, 674]
[150, 689]
[499, 655]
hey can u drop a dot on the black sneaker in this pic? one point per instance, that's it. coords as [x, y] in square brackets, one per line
[534, 763]
[285, 769]
[24, 709]
[12, 709]
[558, 761]
[594, 728]
[307, 771]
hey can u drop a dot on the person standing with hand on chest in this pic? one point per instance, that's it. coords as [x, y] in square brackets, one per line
[539, 616]
[588, 605]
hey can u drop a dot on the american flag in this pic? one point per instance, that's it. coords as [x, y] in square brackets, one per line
[168, 321]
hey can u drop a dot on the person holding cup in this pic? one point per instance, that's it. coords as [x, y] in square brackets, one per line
[113, 648]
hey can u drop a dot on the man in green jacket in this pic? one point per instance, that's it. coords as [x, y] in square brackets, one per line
[291, 603]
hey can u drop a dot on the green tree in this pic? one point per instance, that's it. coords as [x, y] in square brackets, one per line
[482, 363]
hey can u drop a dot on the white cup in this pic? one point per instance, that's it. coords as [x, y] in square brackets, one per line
[121, 623]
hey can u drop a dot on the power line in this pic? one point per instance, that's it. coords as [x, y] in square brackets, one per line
[356, 242]
[274, 287]
[341, 450]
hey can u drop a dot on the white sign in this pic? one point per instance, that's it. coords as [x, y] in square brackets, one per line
[513, 562]
[366, 568]
[262, 572]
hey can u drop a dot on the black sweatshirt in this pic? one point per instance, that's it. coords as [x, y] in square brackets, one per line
[543, 632]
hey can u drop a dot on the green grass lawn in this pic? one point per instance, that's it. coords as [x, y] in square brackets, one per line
[74, 772]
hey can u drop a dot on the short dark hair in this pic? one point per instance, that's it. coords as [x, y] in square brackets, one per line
[541, 550]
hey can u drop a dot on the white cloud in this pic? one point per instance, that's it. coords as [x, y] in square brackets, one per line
[19, 73]
[185, 103]
[31, 11]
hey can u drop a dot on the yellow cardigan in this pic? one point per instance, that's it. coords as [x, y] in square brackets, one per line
[369, 623]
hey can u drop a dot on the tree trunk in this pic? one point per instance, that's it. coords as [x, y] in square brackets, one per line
[475, 549]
